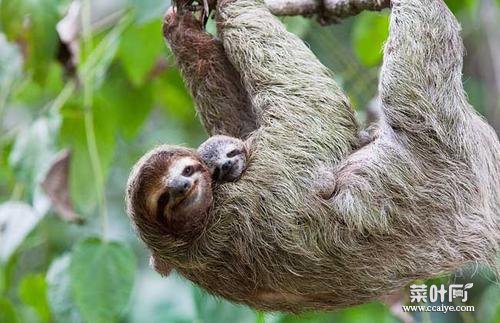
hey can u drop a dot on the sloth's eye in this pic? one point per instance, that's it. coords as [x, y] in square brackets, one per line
[188, 171]
[233, 153]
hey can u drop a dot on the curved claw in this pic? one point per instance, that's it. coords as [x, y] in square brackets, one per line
[203, 8]
[205, 13]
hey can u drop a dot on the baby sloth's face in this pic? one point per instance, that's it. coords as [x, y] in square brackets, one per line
[225, 157]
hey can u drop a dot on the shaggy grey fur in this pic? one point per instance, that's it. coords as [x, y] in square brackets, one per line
[422, 199]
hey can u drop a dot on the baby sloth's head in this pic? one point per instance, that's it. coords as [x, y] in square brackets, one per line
[225, 157]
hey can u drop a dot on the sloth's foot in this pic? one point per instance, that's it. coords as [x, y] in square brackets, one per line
[324, 182]
[175, 24]
[204, 8]
[359, 206]
[351, 192]
[187, 15]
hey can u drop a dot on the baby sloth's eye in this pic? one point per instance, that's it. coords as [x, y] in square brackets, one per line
[188, 171]
[233, 153]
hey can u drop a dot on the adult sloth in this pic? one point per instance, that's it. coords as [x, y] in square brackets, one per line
[422, 199]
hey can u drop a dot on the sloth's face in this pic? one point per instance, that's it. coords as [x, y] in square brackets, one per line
[185, 191]
[184, 186]
[172, 188]
[225, 157]
[230, 164]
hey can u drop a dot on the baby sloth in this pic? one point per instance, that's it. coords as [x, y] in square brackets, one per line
[225, 157]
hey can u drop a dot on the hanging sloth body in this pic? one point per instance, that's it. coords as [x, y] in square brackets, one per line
[315, 221]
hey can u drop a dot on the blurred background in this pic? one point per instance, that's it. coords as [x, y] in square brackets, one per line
[86, 87]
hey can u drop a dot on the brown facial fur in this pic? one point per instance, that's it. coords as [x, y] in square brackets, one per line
[180, 223]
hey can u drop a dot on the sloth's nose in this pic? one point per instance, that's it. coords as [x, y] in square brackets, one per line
[227, 165]
[179, 187]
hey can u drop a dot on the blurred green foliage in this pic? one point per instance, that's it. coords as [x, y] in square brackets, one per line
[370, 32]
[129, 97]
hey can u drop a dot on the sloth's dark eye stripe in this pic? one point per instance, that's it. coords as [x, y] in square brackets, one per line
[216, 174]
[233, 153]
[162, 202]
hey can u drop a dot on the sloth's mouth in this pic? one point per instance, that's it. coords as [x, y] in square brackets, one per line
[232, 174]
[166, 204]
[226, 175]
[186, 196]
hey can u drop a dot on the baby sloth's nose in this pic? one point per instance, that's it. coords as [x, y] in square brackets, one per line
[179, 187]
[227, 165]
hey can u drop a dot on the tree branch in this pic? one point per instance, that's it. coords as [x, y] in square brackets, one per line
[327, 10]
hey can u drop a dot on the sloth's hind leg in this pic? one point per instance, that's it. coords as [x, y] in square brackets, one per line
[420, 84]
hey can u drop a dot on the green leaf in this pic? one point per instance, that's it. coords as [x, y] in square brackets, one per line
[149, 9]
[59, 293]
[97, 63]
[33, 22]
[309, 318]
[373, 312]
[140, 48]
[36, 95]
[34, 146]
[261, 317]
[214, 310]
[7, 311]
[17, 219]
[72, 135]
[7, 176]
[460, 5]
[297, 25]
[2, 279]
[162, 300]
[174, 97]
[489, 308]
[131, 107]
[11, 13]
[102, 275]
[42, 37]
[33, 292]
[10, 68]
[369, 34]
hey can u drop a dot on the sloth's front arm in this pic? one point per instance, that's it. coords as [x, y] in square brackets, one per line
[221, 100]
[306, 118]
